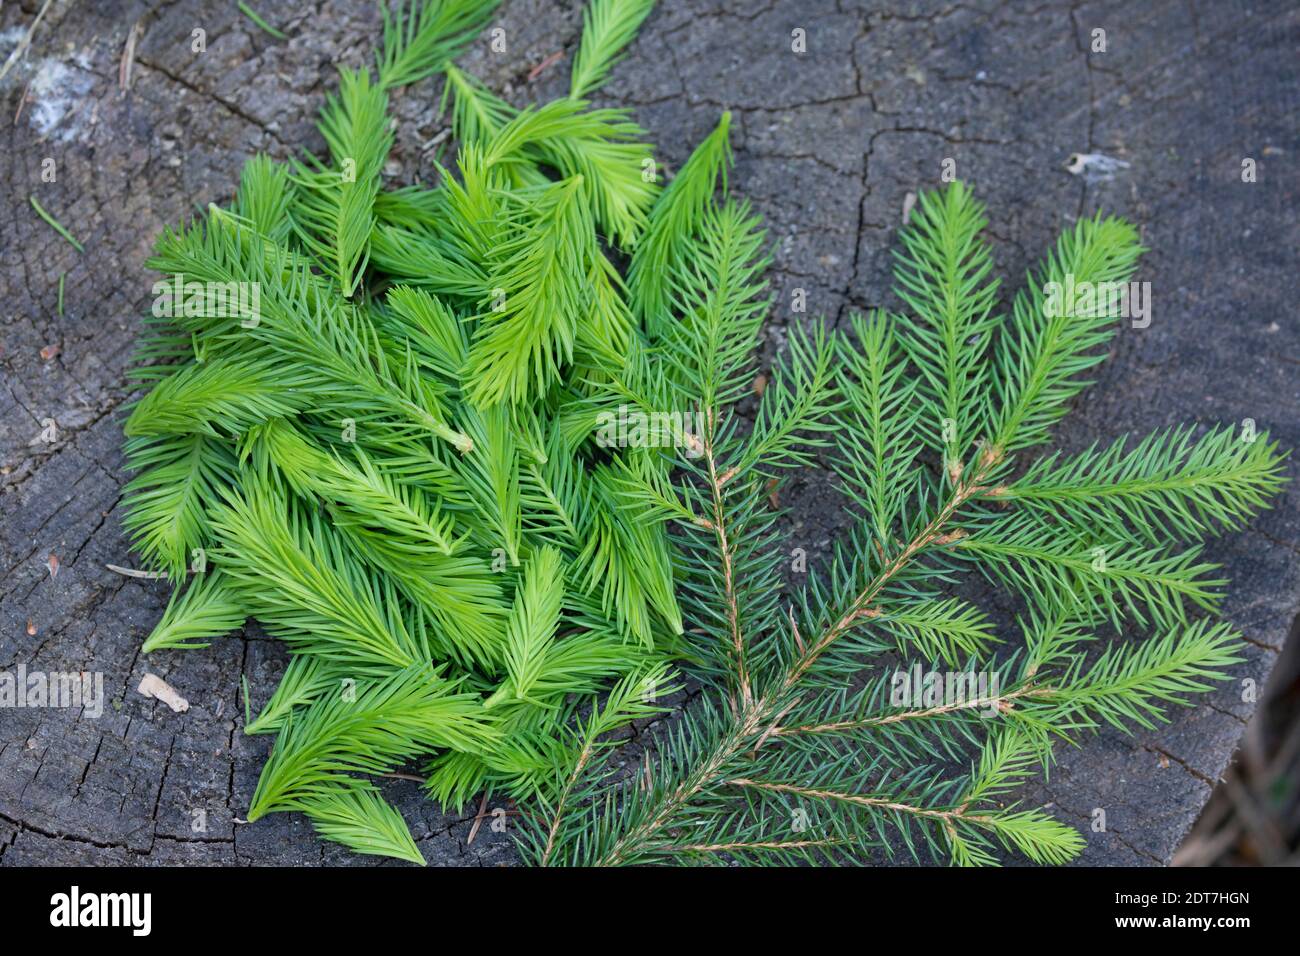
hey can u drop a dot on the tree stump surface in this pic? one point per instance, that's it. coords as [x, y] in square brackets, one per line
[828, 145]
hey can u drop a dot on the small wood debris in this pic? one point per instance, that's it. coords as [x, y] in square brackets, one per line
[1094, 166]
[133, 573]
[151, 685]
[22, 101]
[128, 59]
[909, 203]
[540, 68]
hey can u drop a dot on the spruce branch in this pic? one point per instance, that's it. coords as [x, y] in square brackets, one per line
[624, 703]
[167, 502]
[534, 619]
[204, 608]
[265, 197]
[306, 678]
[767, 737]
[882, 402]
[362, 821]
[299, 582]
[607, 27]
[521, 347]
[943, 277]
[334, 212]
[423, 39]
[477, 113]
[1052, 340]
[369, 729]
[673, 220]
[1165, 484]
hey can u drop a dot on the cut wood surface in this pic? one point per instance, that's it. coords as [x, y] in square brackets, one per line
[829, 145]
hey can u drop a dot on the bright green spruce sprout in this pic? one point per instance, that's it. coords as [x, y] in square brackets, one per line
[395, 454]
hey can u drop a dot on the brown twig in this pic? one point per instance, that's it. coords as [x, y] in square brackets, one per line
[584, 756]
[772, 728]
[857, 799]
[401, 776]
[759, 845]
[546, 64]
[134, 573]
[478, 818]
[22, 101]
[728, 583]
[25, 42]
[128, 59]
[1002, 702]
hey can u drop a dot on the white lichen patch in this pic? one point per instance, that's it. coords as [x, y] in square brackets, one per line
[56, 93]
[57, 90]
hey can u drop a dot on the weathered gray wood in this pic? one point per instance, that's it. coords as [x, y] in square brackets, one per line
[828, 145]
